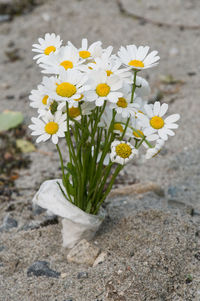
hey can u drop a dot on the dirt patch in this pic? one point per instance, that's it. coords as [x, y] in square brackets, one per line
[152, 255]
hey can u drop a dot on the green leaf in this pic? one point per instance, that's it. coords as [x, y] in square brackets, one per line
[25, 146]
[10, 119]
[71, 169]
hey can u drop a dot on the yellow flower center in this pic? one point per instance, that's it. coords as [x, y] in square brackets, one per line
[157, 122]
[102, 90]
[65, 90]
[118, 127]
[136, 63]
[109, 72]
[122, 102]
[44, 99]
[84, 54]
[51, 127]
[74, 112]
[123, 150]
[67, 64]
[49, 49]
[136, 134]
[78, 99]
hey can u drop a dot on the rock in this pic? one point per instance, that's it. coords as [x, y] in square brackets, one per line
[8, 223]
[82, 275]
[100, 259]
[173, 191]
[41, 268]
[63, 275]
[13, 54]
[83, 253]
[5, 18]
[138, 188]
[10, 96]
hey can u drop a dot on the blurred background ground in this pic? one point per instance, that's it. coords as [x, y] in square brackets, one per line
[173, 28]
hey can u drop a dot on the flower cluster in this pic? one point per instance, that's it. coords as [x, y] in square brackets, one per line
[97, 97]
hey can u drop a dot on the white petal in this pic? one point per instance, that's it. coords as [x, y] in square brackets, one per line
[163, 109]
[55, 139]
[156, 108]
[148, 110]
[172, 118]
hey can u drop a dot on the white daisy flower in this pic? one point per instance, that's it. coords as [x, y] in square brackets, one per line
[122, 152]
[123, 105]
[89, 52]
[135, 129]
[155, 124]
[74, 113]
[69, 85]
[49, 44]
[152, 152]
[66, 57]
[74, 102]
[109, 64]
[51, 107]
[51, 126]
[138, 58]
[103, 88]
[39, 99]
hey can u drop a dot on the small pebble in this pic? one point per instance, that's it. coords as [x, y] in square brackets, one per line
[8, 223]
[172, 191]
[9, 97]
[82, 275]
[63, 275]
[41, 268]
[100, 259]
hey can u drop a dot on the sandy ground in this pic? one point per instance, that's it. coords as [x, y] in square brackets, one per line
[162, 236]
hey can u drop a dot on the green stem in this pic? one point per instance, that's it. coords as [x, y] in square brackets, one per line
[118, 169]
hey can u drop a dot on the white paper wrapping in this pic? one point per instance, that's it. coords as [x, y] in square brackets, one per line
[76, 223]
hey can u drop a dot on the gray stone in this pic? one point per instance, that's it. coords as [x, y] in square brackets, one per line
[102, 256]
[82, 275]
[173, 191]
[41, 268]
[8, 223]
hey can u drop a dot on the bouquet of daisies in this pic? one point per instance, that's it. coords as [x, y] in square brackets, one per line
[97, 102]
